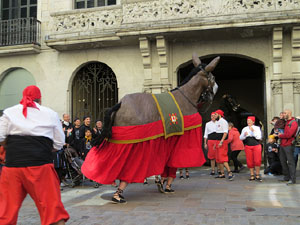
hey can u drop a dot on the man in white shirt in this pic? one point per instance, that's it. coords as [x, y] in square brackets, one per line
[222, 145]
[210, 141]
[29, 132]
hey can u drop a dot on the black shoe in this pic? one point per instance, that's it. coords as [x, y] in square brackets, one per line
[258, 178]
[121, 200]
[160, 187]
[283, 180]
[212, 173]
[290, 182]
[220, 176]
[187, 176]
[230, 176]
[168, 191]
[145, 181]
[252, 178]
[181, 177]
[235, 171]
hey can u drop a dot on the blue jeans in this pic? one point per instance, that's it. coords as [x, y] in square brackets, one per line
[296, 152]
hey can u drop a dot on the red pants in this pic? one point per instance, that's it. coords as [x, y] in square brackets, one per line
[211, 145]
[41, 183]
[169, 172]
[222, 152]
[253, 155]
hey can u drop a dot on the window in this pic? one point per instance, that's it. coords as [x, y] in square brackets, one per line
[81, 4]
[13, 9]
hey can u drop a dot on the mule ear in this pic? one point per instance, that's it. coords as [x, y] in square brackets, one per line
[212, 65]
[196, 60]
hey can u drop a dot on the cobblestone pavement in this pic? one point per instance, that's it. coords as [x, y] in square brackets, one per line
[200, 200]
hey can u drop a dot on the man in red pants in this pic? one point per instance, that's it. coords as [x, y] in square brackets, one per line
[222, 145]
[29, 132]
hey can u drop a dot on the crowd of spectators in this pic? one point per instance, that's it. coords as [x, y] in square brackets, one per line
[78, 139]
[282, 146]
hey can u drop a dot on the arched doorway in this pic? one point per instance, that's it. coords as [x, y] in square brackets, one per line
[11, 86]
[240, 77]
[94, 89]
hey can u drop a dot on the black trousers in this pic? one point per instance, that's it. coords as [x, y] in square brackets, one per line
[236, 162]
[286, 155]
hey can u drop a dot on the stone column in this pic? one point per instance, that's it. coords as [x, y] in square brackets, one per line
[296, 68]
[297, 98]
[277, 51]
[277, 97]
[162, 51]
[145, 49]
[296, 51]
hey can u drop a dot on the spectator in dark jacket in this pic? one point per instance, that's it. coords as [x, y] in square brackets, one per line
[74, 138]
[86, 125]
[287, 148]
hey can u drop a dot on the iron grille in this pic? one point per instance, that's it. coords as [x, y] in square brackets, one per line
[94, 90]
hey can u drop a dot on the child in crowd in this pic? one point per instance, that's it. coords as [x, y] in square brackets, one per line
[273, 157]
[279, 124]
[86, 143]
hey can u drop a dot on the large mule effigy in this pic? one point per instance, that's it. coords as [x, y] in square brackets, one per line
[144, 133]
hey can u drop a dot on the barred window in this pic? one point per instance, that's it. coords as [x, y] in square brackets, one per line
[13, 9]
[81, 4]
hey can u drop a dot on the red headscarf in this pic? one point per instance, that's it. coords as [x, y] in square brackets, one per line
[30, 93]
[251, 118]
[220, 112]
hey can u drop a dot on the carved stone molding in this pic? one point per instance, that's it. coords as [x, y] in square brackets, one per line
[86, 21]
[276, 88]
[297, 88]
[163, 11]
[170, 9]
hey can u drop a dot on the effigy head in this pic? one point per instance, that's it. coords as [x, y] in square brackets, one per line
[211, 87]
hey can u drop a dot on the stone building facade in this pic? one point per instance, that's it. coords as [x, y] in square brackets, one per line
[86, 59]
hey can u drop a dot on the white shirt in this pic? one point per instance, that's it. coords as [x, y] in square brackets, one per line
[222, 126]
[210, 127]
[43, 122]
[256, 133]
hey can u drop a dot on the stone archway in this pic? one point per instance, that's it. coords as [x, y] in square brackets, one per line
[94, 89]
[12, 85]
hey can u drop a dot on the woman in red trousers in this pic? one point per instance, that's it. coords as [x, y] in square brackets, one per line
[251, 135]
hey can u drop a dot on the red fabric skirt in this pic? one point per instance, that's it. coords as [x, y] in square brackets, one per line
[137, 152]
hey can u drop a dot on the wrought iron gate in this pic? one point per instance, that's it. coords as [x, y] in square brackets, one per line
[94, 89]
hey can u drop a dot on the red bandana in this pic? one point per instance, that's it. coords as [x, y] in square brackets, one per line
[251, 118]
[30, 93]
[220, 112]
